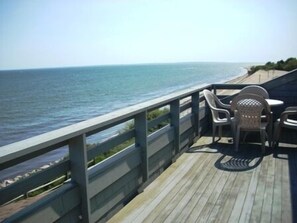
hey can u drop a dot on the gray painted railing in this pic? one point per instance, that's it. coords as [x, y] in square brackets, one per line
[96, 193]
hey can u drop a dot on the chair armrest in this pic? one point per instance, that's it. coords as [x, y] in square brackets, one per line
[226, 106]
[223, 111]
[222, 105]
[288, 112]
[292, 108]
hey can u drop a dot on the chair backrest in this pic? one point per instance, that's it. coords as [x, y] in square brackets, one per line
[254, 89]
[211, 101]
[248, 109]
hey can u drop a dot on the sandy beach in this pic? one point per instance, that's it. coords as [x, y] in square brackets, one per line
[259, 77]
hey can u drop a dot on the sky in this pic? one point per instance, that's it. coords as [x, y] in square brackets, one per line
[62, 33]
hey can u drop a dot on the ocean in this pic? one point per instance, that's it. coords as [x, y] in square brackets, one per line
[35, 101]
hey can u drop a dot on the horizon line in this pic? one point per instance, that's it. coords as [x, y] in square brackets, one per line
[119, 64]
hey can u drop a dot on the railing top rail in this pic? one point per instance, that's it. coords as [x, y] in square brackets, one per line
[43, 141]
[230, 86]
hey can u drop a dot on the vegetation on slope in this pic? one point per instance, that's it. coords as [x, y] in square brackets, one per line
[150, 116]
[59, 181]
[288, 65]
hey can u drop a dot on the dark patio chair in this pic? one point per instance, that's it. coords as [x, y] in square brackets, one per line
[285, 122]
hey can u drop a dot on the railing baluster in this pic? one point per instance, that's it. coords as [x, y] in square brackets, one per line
[175, 122]
[196, 112]
[141, 141]
[79, 162]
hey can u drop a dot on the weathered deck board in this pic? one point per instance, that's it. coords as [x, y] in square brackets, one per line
[220, 204]
[212, 183]
[178, 197]
[259, 195]
[277, 195]
[191, 196]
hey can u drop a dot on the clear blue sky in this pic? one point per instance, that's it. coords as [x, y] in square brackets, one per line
[57, 33]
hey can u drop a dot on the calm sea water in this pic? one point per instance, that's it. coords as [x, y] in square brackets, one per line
[37, 101]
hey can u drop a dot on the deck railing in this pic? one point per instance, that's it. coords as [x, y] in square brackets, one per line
[96, 193]
[92, 193]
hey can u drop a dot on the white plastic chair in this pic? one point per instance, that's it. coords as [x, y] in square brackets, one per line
[260, 91]
[248, 109]
[285, 122]
[218, 109]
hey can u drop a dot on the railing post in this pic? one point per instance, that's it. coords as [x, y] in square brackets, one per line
[79, 165]
[175, 122]
[196, 113]
[141, 142]
[214, 89]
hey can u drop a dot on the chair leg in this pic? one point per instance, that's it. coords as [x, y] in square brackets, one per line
[270, 131]
[269, 135]
[237, 136]
[233, 129]
[263, 136]
[244, 137]
[277, 132]
[220, 132]
[213, 132]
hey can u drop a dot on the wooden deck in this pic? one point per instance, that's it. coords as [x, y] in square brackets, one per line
[211, 183]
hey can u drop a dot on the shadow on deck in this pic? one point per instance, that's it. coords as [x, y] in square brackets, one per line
[212, 183]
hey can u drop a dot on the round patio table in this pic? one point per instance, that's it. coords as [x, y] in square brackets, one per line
[274, 102]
